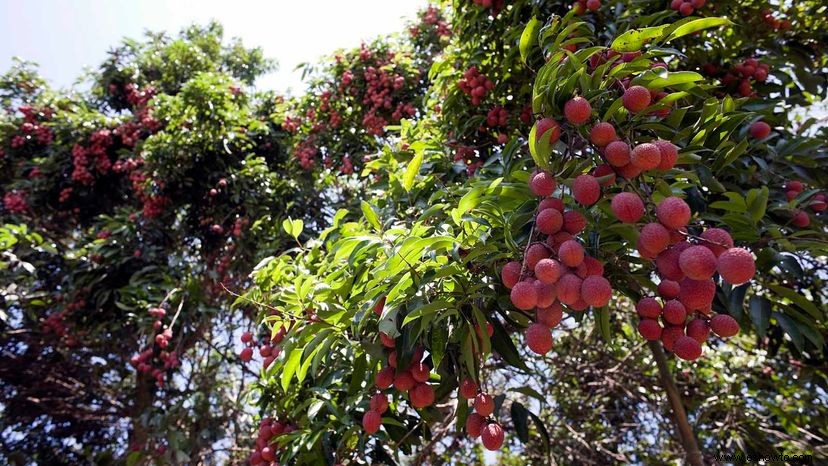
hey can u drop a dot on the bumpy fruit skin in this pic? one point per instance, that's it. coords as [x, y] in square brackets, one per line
[636, 98]
[549, 128]
[474, 424]
[492, 436]
[645, 156]
[246, 354]
[571, 253]
[550, 316]
[687, 348]
[404, 382]
[669, 336]
[724, 325]
[542, 183]
[510, 274]
[524, 296]
[574, 222]
[468, 389]
[648, 308]
[549, 221]
[539, 339]
[387, 341]
[760, 130]
[649, 329]
[546, 293]
[718, 240]
[577, 110]
[668, 261]
[586, 190]
[551, 203]
[484, 404]
[627, 207]
[596, 291]
[371, 421]
[422, 395]
[379, 403]
[569, 289]
[669, 154]
[644, 251]
[698, 330]
[534, 254]
[606, 170]
[617, 153]
[602, 134]
[674, 312]
[697, 295]
[384, 378]
[668, 289]
[673, 212]
[548, 270]
[736, 266]
[698, 262]
[655, 237]
[629, 171]
[593, 266]
[420, 372]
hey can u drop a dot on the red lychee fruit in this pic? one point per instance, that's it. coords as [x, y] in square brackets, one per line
[593, 5]
[669, 154]
[549, 221]
[649, 329]
[698, 329]
[605, 170]
[617, 153]
[668, 289]
[550, 316]
[655, 237]
[577, 110]
[670, 334]
[627, 207]
[404, 382]
[648, 307]
[474, 424]
[736, 266]
[484, 404]
[593, 266]
[555, 241]
[801, 219]
[574, 222]
[510, 274]
[697, 295]
[548, 127]
[384, 378]
[629, 171]
[673, 212]
[546, 293]
[636, 98]
[420, 372]
[571, 253]
[596, 291]
[542, 183]
[246, 354]
[371, 421]
[246, 337]
[668, 261]
[551, 203]
[492, 436]
[387, 341]
[548, 270]
[724, 325]
[760, 130]
[524, 295]
[674, 312]
[718, 240]
[687, 348]
[602, 134]
[379, 306]
[569, 289]
[534, 254]
[697, 262]
[422, 395]
[392, 359]
[586, 190]
[645, 156]
[539, 338]
[468, 389]
[379, 403]
[643, 251]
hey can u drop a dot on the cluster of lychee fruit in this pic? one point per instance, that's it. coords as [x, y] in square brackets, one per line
[775, 23]
[411, 380]
[686, 7]
[156, 360]
[582, 6]
[266, 451]
[268, 349]
[495, 5]
[741, 77]
[817, 203]
[475, 84]
[480, 422]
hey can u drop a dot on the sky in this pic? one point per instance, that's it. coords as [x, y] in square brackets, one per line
[65, 36]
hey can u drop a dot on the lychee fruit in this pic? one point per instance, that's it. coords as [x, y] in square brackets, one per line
[668, 289]
[510, 274]
[551, 203]
[801, 219]
[673, 212]
[670, 334]
[596, 291]
[468, 389]
[697, 295]
[602, 134]
[404, 382]
[724, 325]
[577, 110]
[420, 372]
[687, 348]
[645, 156]
[371, 421]
[698, 329]
[668, 261]
[384, 378]
[669, 154]
[636, 98]
[760, 130]
[674, 312]
[549, 221]
[542, 183]
[648, 307]
[655, 237]
[484, 404]
[571, 253]
[246, 354]
[717, 240]
[550, 316]
[492, 436]
[524, 295]
[605, 170]
[548, 127]
[736, 266]
[379, 403]
[422, 395]
[548, 270]
[539, 338]
[574, 222]
[474, 424]
[697, 262]
[546, 293]
[649, 329]
[586, 190]
[569, 289]
[617, 153]
[534, 254]
[627, 207]
[629, 171]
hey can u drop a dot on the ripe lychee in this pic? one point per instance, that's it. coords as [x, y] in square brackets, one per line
[371, 421]
[548, 270]
[546, 293]
[760, 130]
[668, 289]
[648, 307]
[697, 295]
[698, 329]
[670, 334]
[510, 274]
[577, 110]
[422, 395]
[474, 424]
[550, 127]
[492, 436]
[539, 338]
[602, 171]
[542, 183]
[724, 325]
[645, 156]
[571, 253]
[574, 222]
[674, 312]
[551, 203]
[404, 382]
[717, 240]
[669, 154]
[649, 329]
[654, 237]
[697, 262]
[629, 171]
[550, 316]
[384, 378]
[673, 212]
[484, 404]
[420, 372]
[668, 261]
[627, 207]
[617, 153]
[246, 354]
[736, 266]
[602, 134]
[636, 98]
[468, 389]
[535, 253]
[596, 291]
[801, 219]
[524, 295]
[593, 266]
[379, 403]
[687, 348]
[549, 221]
[569, 289]
[586, 190]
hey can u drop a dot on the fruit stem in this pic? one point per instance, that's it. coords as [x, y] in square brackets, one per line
[688, 438]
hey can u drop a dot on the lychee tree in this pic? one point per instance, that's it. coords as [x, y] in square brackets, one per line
[635, 200]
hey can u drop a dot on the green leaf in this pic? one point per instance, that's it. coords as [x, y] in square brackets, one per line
[412, 170]
[797, 299]
[291, 363]
[634, 39]
[520, 418]
[529, 38]
[439, 340]
[658, 79]
[760, 312]
[695, 26]
[541, 149]
[791, 329]
[758, 204]
[602, 319]
[371, 216]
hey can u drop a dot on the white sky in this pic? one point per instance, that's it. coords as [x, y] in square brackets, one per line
[64, 36]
